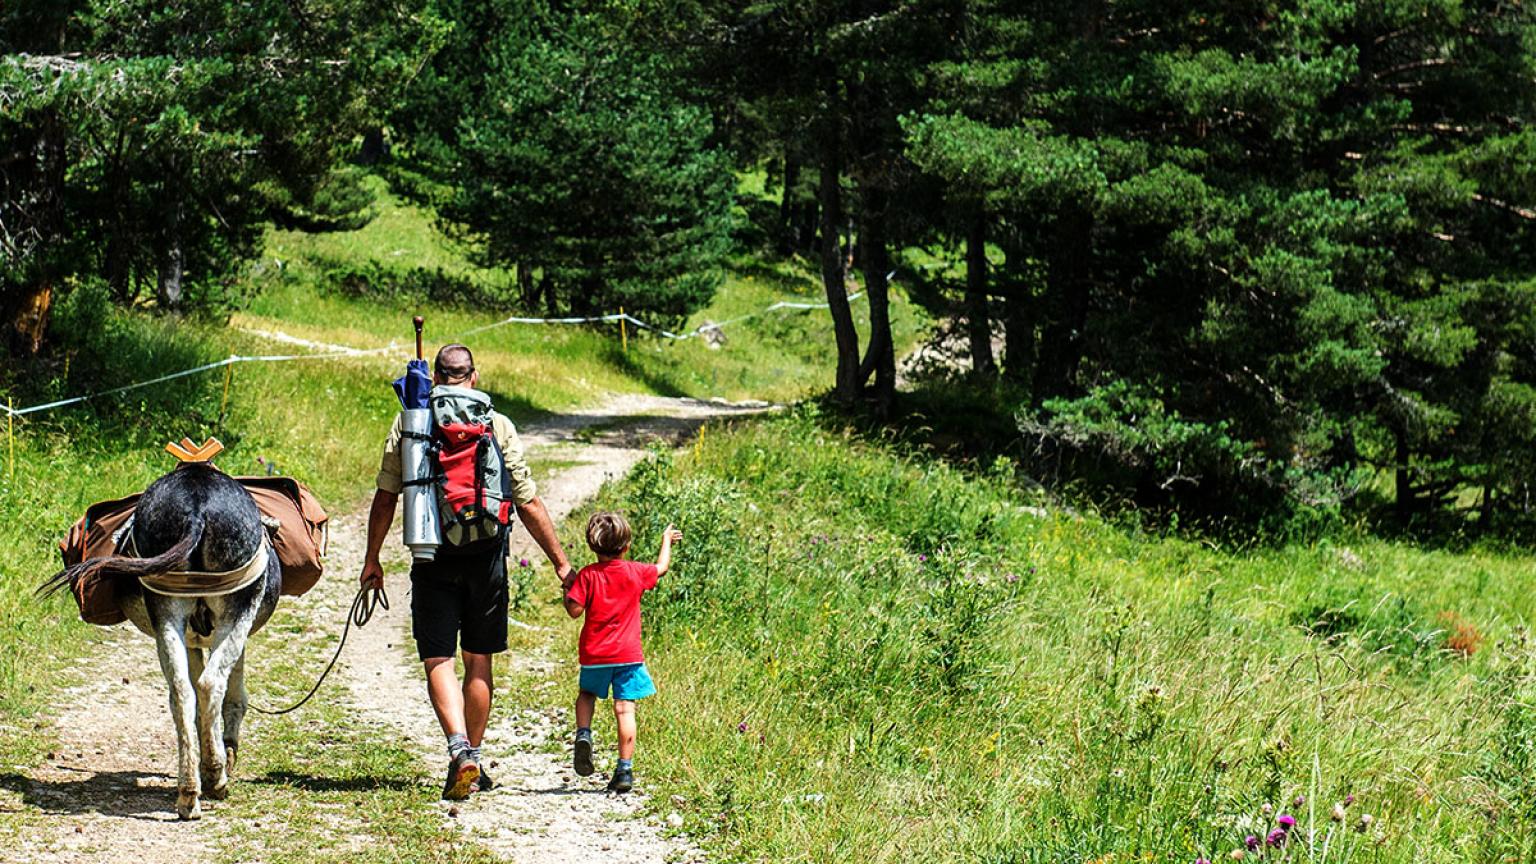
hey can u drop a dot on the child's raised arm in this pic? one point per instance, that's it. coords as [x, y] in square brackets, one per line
[664, 560]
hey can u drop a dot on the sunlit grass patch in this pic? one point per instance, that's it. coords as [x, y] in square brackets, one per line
[864, 654]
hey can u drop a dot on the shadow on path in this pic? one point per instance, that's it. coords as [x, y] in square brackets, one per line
[111, 793]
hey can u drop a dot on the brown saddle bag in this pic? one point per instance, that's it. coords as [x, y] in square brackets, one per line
[299, 540]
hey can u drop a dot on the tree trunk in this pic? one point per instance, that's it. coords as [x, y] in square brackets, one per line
[787, 228]
[1061, 343]
[875, 263]
[979, 322]
[1404, 478]
[30, 320]
[551, 302]
[834, 273]
[527, 291]
[119, 263]
[169, 290]
[1018, 325]
[375, 147]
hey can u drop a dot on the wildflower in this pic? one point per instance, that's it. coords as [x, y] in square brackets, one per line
[1286, 821]
[1202, 861]
[1299, 800]
[1267, 810]
[922, 559]
[1031, 569]
[1349, 799]
[1012, 577]
[524, 563]
[1365, 823]
[1252, 842]
[1276, 838]
[1338, 812]
[742, 727]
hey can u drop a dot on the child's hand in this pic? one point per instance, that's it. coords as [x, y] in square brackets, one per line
[672, 534]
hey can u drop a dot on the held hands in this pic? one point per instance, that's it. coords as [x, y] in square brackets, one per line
[567, 575]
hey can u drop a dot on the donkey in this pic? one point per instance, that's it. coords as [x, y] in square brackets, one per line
[194, 520]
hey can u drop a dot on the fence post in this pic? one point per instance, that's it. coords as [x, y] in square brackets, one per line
[10, 440]
[623, 330]
[229, 374]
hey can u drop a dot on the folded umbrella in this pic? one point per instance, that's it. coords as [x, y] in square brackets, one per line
[415, 386]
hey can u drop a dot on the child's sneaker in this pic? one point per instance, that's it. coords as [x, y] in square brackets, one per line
[582, 760]
[463, 772]
[623, 780]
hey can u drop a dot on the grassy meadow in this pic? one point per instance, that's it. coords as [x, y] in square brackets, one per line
[868, 655]
[322, 421]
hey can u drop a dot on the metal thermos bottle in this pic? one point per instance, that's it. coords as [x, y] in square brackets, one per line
[423, 533]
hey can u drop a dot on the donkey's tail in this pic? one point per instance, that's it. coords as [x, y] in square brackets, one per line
[177, 557]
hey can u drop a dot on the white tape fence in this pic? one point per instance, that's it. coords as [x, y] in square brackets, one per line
[329, 352]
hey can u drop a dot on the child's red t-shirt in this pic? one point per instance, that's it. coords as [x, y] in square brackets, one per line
[610, 592]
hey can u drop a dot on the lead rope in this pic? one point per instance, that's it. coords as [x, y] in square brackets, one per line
[362, 610]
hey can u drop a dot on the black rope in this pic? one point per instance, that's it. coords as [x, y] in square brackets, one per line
[362, 610]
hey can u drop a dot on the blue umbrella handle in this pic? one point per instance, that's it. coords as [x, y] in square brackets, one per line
[418, 322]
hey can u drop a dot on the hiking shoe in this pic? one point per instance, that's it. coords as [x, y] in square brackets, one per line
[463, 771]
[485, 783]
[582, 760]
[623, 780]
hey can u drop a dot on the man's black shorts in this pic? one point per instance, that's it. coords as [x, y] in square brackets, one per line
[460, 599]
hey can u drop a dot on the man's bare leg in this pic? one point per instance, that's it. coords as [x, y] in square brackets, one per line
[446, 695]
[478, 686]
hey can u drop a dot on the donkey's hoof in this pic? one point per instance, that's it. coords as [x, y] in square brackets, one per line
[231, 751]
[187, 807]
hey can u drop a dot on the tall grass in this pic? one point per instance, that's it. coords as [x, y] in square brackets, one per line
[865, 655]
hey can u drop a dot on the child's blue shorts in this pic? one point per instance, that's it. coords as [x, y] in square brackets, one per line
[628, 680]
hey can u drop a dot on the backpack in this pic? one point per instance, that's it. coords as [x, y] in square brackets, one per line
[474, 488]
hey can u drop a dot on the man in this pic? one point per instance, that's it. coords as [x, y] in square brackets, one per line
[461, 595]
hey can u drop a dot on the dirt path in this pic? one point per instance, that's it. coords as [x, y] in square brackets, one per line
[107, 793]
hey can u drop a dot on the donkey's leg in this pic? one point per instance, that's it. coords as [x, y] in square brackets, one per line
[235, 703]
[229, 635]
[170, 643]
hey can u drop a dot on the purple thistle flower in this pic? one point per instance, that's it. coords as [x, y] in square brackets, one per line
[1013, 577]
[742, 727]
[922, 558]
[1286, 821]
[1300, 800]
[1349, 799]
[1202, 861]
[1252, 842]
[1276, 838]
[523, 563]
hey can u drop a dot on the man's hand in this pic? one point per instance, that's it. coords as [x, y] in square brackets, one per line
[373, 574]
[567, 575]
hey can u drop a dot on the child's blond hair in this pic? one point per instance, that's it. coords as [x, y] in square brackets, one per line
[608, 534]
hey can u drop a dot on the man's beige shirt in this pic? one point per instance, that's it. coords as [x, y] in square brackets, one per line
[523, 489]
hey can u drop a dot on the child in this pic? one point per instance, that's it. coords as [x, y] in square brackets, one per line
[608, 593]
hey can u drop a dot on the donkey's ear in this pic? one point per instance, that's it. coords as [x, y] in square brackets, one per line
[186, 451]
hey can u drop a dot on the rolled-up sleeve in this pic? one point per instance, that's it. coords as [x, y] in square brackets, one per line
[523, 487]
[388, 479]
